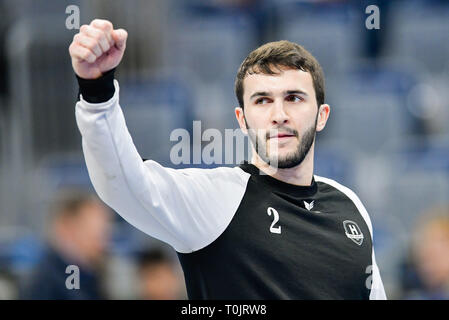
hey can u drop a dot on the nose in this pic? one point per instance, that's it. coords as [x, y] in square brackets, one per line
[279, 115]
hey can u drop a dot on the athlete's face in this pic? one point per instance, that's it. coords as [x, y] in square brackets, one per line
[281, 115]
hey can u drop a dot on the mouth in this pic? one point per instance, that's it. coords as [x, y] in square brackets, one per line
[282, 136]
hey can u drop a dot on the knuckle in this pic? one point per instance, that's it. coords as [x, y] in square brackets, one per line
[91, 31]
[91, 45]
[87, 56]
[72, 48]
[102, 24]
[95, 22]
[96, 49]
[106, 25]
[96, 45]
[96, 34]
[103, 40]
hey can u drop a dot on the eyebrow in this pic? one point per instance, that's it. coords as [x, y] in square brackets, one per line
[265, 93]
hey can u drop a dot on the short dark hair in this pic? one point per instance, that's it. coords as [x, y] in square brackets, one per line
[280, 53]
[152, 257]
[69, 201]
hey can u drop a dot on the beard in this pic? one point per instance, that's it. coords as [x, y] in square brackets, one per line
[289, 160]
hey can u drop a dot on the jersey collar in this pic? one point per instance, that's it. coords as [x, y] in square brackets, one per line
[278, 185]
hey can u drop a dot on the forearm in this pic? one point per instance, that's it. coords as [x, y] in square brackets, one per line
[107, 146]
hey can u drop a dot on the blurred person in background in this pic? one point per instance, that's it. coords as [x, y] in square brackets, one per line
[158, 277]
[430, 255]
[78, 234]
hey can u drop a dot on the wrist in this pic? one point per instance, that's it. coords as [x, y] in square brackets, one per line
[97, 90]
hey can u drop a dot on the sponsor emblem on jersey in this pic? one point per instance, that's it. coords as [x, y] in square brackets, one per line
[353, 232]
[309, 206]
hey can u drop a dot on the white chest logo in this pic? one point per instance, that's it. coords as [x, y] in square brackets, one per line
[273, 229]
[353, 232]
[309, 206]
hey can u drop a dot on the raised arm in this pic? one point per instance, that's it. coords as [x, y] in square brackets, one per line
[186, 208]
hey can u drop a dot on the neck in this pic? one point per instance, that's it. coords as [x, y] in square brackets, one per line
[300, 175]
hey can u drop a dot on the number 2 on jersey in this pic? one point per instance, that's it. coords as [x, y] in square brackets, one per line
[273, 229]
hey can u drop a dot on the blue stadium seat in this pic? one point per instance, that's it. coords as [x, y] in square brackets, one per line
[210, 45]
[20, 253]
[328, 30]
[420, 34]
[409, 177]
[43, 86]
[336, 161]
[424, 154]
[65, 171]
[410, 194]
[153, 108]
[369, 107]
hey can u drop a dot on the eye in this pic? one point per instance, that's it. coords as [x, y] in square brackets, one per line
[294, 98]
[262, 101]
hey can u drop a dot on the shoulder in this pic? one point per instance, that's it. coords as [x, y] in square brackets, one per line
[350, 194]
[225, 174]
[336, 185]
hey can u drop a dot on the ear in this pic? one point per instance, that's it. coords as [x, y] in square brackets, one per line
[323, 115]
[241, 119]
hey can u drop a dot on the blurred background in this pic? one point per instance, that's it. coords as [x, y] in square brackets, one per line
[387, 137]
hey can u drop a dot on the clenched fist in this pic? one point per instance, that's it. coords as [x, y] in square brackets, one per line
[97, 48]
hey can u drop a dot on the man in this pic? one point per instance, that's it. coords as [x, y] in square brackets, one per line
[256, 231]
[78, 232]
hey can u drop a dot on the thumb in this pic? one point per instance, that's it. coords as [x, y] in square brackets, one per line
[120, 36]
